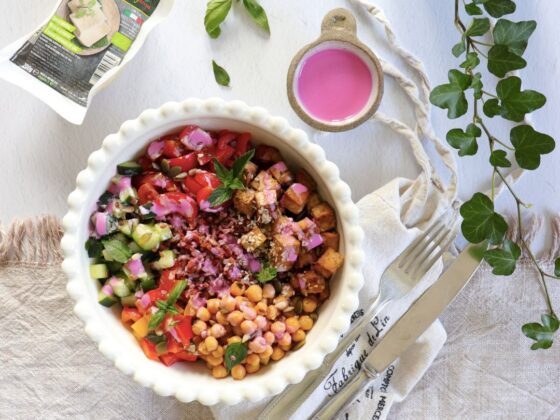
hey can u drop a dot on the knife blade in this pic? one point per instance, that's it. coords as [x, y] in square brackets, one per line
[421, 314]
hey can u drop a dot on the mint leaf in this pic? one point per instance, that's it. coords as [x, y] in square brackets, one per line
[501, 60]
[492, 107]
[472, 9]
[542, 334]
[219, 196]
[459, 48]
[464, 141]
[224, 175]
[236, 184]
[216, 12]
[514, 35]
[268, 273]
[502, 260]
[117, 250]
[478, 27]
[257, 13]
[235, 353]
[240, 162]
[499, 8]
[156, 319]
[481, 222]
[451, 96]
[471, 61]
[515, 103]
[530, 145]
[176, 293]
[220, 74]
[499, 159]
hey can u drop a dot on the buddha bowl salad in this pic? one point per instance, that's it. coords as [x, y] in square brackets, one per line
[215, 250]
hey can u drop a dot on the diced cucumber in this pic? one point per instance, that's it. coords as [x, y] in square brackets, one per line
[161, 347]
[163, 230]
[119, 286]
[127, 226]
[149, 283]
[128, 195]
[129, 168]
[105, 198]
[129, 300]
[146, 237]
[98, 271]
[94, 248]
[114, 266]
[166, 260]
[106, 300]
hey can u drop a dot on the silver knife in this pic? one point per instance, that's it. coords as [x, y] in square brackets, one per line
[421, 314]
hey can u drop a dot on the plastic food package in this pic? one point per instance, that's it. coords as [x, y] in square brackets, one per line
[80, 50]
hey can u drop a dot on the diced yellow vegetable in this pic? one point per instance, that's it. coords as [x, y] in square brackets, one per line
[140, 327]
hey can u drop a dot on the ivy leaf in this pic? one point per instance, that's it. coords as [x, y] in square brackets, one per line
[498, 158]
[492, 108]
[502, 260]
[235, 353]
[501, 60]
[216, 12]
[515, 103]
[472, 9]
[499, 8]
[514, 35]
[476, 85]
[471, 61]
[464, 141]
[557, 267]
[220, 74]
[452, 94]
[530, 145]
[481, 222]
[542, 334]
[478, 27]
[459, 48]
[257, 13]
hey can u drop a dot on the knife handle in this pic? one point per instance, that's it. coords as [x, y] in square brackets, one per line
[345, 396]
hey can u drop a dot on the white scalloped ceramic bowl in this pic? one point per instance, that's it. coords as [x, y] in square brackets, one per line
[189, 382]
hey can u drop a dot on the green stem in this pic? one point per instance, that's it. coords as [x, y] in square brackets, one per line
[490, 136]
[489, 94]
[481, 43]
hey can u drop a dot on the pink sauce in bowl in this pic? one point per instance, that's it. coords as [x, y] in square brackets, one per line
[334, 84]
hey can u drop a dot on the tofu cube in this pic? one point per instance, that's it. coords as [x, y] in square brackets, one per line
[249, 172]
[284, 252]
[265, 181]
[281, 173]
[305, 259]
[329, 262]
[310, 282]
[253, 240]
[313, 200]
[284, 224]
[303, 177]
[267, 155]
[323, 216]
[266, 198]
[295, 198]
[331, 240]
[244, 202]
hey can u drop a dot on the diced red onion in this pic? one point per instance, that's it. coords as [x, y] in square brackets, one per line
[313, 242]
[299, 188]
[101, 223]
[254, 265]
[107, 290]
[145, 301]
[197, 139]
[135, 266]
[155, 149]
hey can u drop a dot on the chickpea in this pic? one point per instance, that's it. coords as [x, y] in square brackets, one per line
[219, 372]
[189, 310]
[277, 354]
[234, 339]
[261, 307]
[278, 327]
[286, 339]
[198, 326]
[219, 352]
[238, 372]
[264, 359]
[252, 369]
[267, 352]
[298, 336]
[202, 349]
[252, 360]
[213, 305]
[228, 303]
[254, 293]
[240, 301]
[272, 312]
[217, 330]
[235, 318]
[285, 347]
[214, 361]
[221, 318]
[281, 302]
[309, 305]
[269, 337]
[248, 327]
[268, 291]
[287, 291]
[236, 289]
[203, 314]
[211, 343]
[261, 322]
[305, 322]
[292, 324]
[248, 312]
[258, 345]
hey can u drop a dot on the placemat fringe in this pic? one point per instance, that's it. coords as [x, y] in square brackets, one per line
[33, 240]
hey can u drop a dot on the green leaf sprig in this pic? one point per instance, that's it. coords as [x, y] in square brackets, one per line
[166, 307]
[230, 179]
[220, 74]
[502, 49]
[268, 273]
[235, 353]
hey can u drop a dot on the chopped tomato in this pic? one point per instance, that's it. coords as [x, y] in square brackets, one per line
[224, 154]
[176, 202]
[186, 163]
[205, 178]
[226, 137]
[156, 294]
[187, 130]
[184, 328]
[186, 356]
[157, 180]
[172, 148]
[167, 280]
[147, 193]
[243, 142]
[172, 345]
[205, 155]
[146, 163]
[169, 359]
[149, 349]
[190, 185]
[202, 196]
[130, 315]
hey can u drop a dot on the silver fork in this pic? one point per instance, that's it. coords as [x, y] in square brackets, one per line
[397, 280]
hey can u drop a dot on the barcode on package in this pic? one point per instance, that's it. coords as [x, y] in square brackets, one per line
[109, 61]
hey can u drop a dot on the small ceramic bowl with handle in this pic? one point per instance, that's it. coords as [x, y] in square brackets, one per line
[193, 381]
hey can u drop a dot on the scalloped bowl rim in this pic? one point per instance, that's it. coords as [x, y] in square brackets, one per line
[123, 350]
